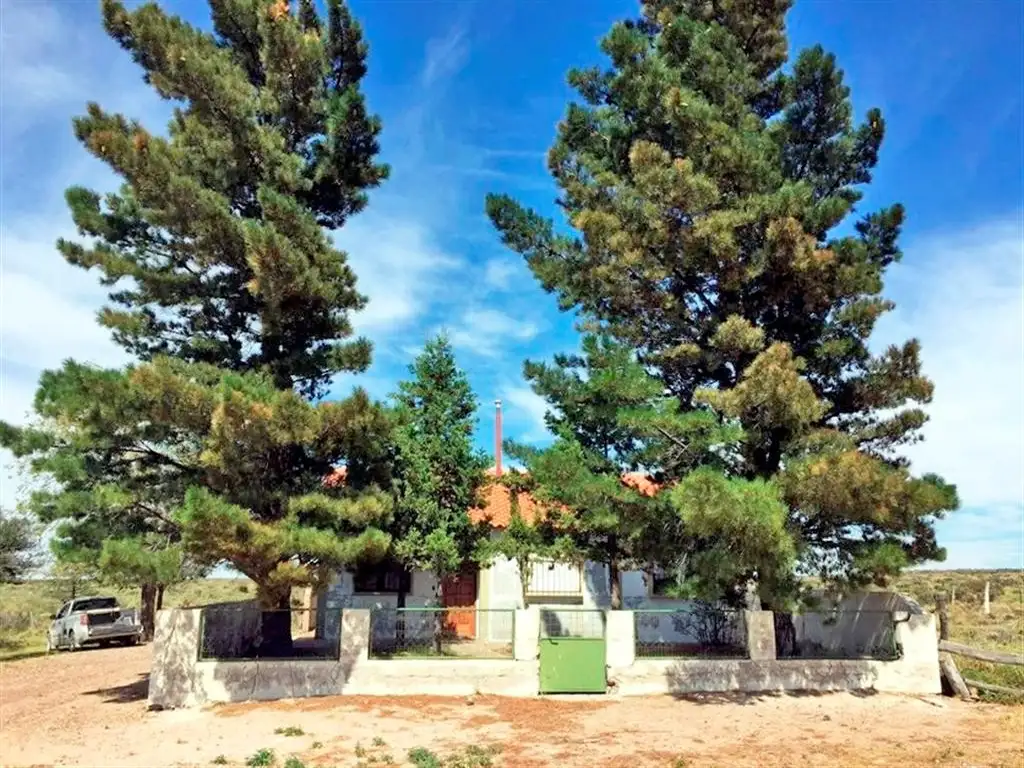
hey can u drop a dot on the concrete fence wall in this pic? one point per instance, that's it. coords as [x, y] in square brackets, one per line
[916, 671]
[180, 679]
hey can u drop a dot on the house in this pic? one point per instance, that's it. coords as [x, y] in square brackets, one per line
[490, 593]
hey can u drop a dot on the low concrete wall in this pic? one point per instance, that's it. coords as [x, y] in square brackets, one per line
[172, 679]
[917, 671]
[456, 677]
[178, 679]
[230, 629]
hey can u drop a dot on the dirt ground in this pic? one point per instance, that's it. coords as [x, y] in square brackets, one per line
[89, 709]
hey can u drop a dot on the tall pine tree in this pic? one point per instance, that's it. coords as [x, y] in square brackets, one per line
[225, 286]
[706, 181]
[633, 482]
[438, 472]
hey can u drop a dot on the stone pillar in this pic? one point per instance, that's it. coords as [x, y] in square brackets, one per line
[760, 629]
[355, 634]
[526, 634]
[620, 635]
[172, 678]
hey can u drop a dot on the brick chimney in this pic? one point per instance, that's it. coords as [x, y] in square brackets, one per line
[497, 438]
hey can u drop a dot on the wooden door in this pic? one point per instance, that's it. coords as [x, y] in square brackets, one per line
[459, 594]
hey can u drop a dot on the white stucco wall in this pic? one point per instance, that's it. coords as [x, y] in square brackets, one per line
[859, 624]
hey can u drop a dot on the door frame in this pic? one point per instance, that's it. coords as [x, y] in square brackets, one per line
[448, 598]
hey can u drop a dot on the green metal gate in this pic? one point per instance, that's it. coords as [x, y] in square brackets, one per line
[572, 651]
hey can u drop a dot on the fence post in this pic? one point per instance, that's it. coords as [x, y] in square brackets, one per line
[526, 633]
[943, 610]
[620, 632]
[988, 606]
[760, 629]
[355, 634]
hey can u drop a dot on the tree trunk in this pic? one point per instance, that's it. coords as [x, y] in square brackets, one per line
[400, 616]
[615, 584]
[148, 610]
[276, 624]
[160, 597]
[523, 564]
[439, 616]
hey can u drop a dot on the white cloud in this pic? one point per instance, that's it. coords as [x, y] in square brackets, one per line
[521, 403]
[962, 295]
[445, 56]
[399, 268]
[499, 272]
[490, 332]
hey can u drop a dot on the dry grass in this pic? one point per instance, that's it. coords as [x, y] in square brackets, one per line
[1001, 630]
[34, 601]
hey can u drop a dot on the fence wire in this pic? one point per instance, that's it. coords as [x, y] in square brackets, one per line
[568, 622]
[458, 633]
[836, 635]
[701, 630]
[235, 632]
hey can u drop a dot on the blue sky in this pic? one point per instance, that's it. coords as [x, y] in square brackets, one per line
[470, 94]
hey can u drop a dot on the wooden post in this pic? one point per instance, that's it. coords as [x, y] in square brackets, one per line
[988, 607]
[952, 676]
[947, 667]
[943, 610]
[952, 596]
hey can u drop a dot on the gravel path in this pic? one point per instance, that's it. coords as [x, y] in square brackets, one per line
[89, 709]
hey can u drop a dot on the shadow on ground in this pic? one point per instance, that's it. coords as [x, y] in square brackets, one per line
[124, 694]
[750, 699]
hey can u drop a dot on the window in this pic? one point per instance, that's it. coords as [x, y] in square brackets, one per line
[664, 583]
[550, 578]
[382, 577]
[63, 611]
[95, 604]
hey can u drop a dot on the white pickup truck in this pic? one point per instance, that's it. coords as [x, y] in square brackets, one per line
[93, 620]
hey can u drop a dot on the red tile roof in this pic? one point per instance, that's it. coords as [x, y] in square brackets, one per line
[497, 498]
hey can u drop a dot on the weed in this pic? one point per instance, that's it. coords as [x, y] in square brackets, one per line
[680, 762]
[379, 742]
[294, 762]
[317, 744]
[290, 730]
[474, 756]
[220, 760]
[421, 757]
[261, 759]
[360, 750]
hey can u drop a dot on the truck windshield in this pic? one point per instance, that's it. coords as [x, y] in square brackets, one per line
[95, 604]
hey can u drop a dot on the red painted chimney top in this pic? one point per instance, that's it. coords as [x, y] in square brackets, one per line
[497, 438]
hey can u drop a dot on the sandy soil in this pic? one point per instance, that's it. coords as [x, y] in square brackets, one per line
[89, 709]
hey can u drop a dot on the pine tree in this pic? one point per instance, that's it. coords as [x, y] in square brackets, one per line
[631, 481]
[438, 472]
[225, 286]
[18, 543]
[706, 183]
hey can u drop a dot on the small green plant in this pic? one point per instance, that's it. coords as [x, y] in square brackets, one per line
[421, 757]
[220, 760]
[317, 744]
[379, 742]
[294, 762]
[261, 759]
[474, 756]
[360, 750]
[290, 730]
[680, 762]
